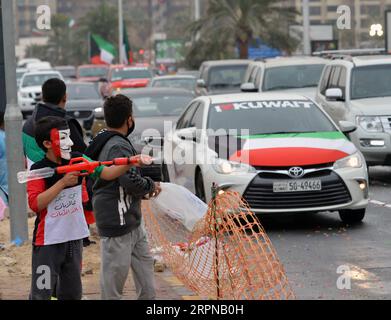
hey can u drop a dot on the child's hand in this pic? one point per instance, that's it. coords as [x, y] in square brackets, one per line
[141, 160]
[70, 179]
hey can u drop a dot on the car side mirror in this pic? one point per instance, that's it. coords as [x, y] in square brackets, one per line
[347, 127]
[248, 87]
[334, 94]
[190, 134]
[201, 83]
[103, 80]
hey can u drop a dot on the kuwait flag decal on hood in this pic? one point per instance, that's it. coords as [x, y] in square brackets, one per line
[299, 149]
[102, 52]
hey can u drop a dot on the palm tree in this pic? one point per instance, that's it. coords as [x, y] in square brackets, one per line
[245, 19]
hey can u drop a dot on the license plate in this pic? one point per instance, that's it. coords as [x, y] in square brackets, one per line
[297, 186]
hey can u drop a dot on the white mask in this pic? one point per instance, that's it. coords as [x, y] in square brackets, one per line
[65, 144]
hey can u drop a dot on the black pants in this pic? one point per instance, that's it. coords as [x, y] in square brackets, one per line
[56, 271]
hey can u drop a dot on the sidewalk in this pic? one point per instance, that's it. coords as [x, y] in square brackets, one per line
[15, 270]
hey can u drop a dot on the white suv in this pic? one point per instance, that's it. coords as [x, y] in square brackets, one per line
[30, 89]
[298, 75]
[358, 89]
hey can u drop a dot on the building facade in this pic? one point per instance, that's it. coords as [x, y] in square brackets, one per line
[364, 13]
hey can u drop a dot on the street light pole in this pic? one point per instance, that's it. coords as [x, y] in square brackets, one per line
[120, 31]
[13, 128]
[306, 28]
[197, 10]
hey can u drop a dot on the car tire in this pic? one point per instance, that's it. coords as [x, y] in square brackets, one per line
[199, 186]
[352, 216]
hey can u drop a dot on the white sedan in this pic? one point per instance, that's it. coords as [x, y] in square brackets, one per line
[281, 152]
[30, 89]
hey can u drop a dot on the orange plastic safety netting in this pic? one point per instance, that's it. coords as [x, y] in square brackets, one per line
[227, 256]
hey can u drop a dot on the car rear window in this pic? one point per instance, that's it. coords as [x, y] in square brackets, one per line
[160, 105]
[82, 92]
[122, 74]
[93, 72]
[269, 117]
[291, 77]
[371, 81]
[225, 77]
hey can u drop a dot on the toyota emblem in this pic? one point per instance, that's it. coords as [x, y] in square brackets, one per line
[296, 172]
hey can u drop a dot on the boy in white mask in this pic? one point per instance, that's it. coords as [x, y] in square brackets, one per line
[60, 225]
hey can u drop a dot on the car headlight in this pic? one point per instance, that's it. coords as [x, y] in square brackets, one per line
[228, 167]
[370, 124]
[353, 161]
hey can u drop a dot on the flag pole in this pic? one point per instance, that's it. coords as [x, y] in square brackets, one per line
[120, 31]
[89, 47]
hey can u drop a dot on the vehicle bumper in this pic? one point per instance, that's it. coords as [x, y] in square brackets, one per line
[349, 177]
[374, 155]
[27, 105]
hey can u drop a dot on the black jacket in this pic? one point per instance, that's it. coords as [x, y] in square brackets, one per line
[44, 110]
[117, 204]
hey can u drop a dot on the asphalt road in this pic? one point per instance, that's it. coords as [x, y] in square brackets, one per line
[313, 246]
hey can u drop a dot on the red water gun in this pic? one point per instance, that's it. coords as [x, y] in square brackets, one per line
[81, 165]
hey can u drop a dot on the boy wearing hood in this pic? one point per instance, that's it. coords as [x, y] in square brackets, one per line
[117, 207]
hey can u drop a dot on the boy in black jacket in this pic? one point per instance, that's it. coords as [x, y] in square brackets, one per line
[117, 207]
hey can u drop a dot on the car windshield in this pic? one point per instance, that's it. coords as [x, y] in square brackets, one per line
[160, 105]
[37, 79]
[226, 77]
[82, 92]
[121, 74]
[269, 117]
[67, 73]
[188, 84]
[93, 72]
[371, 82]
[291, 77]
[20, 74]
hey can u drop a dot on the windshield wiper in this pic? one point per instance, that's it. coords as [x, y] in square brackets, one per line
[284, 132]
[224, 85]
[281, 88]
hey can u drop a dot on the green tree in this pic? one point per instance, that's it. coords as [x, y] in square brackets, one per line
[243, 20]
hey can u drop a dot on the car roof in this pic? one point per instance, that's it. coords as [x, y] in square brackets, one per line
[42, 72]
[240, 97]
[64, 68]
[371, 60]
[121, 66]
[81, 83]
[226, 62]
[93, 66]
[174, 77]
[157, 91]
[292, 61]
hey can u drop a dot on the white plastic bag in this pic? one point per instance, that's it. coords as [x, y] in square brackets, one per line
[180, 204]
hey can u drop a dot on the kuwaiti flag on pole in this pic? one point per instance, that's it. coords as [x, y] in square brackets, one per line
[127, 53]
[102, 52]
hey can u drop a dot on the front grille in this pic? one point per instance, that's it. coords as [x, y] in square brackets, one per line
[80, 114]
[313, 166]
[260, 193]
[153, 172]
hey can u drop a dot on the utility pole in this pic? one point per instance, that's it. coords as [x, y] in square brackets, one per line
[197, 10]
[306, 28]
[13, 131]
[120, 31]
[197, 15]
